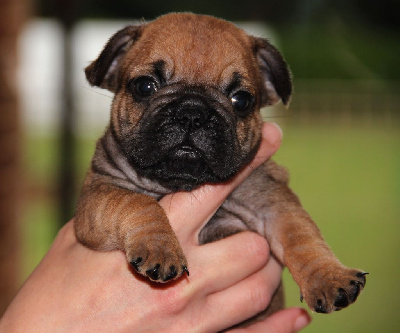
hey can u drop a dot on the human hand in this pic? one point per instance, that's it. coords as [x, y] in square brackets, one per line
[79, 290]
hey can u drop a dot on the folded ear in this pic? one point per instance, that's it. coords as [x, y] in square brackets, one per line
[103, 72]
[275, 73]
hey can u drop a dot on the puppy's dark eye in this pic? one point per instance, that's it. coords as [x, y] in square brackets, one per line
[144, 86]
[242, 101]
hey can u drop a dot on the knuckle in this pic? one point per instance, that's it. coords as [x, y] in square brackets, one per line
[174, 300]
[261, 293]
[259, 300]
[257, 246]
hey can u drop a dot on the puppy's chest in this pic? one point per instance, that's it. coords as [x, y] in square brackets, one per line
[232, 217]
[250, 207]
[246, 213]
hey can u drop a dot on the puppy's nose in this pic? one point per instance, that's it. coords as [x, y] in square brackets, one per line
[191, 118]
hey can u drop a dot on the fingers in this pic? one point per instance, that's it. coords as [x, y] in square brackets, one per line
[220, 265]
[188, 212]
[247, 298]
[286, 321]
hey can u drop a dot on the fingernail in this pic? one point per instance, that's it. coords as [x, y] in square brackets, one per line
[273, 133]
[302, 321]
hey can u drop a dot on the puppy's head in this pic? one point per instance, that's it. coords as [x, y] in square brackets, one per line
[188, 90]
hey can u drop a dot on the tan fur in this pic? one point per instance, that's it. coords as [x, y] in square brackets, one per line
[118, 207]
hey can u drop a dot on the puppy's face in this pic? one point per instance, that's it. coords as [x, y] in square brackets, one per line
[188, 90]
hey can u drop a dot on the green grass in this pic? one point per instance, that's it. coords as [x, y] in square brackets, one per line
[349, 181]
[40, 214]
[347, 178]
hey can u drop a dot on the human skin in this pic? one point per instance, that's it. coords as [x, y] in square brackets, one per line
[75, 289]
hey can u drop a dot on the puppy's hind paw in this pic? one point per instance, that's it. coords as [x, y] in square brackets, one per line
[338, 290]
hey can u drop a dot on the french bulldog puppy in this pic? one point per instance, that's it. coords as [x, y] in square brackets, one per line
[186, 112]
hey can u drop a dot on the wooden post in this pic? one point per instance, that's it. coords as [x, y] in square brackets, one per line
[12, 16]
[66, 14]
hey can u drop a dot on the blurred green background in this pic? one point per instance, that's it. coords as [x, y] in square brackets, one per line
[341, 136]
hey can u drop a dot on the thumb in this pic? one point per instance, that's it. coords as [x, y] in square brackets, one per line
[290, 320]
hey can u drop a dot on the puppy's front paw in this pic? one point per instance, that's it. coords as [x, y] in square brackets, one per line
[333, 290]
[158, 262]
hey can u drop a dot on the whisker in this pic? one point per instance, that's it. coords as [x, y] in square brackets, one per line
[172, 198]
[96, 91]
[192, 195]
[251, 167]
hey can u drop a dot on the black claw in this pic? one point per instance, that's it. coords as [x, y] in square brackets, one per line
[362, 277]
[342, 299]
[361, 283]
[319, 308]
[153, 273]
[354, 296]
[301, 298]
[135, 263]
[172, 274]
[184, 268]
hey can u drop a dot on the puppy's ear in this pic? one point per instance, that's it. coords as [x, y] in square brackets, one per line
[275, 73]
[103, 72]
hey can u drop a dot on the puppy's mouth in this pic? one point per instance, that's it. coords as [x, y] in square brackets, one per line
[184, 168]
[184, 155]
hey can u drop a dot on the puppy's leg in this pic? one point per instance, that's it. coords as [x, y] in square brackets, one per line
[325, 284]
[110, 218]
[274, 211]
